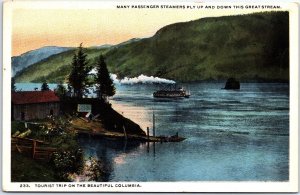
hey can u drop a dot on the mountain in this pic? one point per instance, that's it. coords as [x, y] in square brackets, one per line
[117, 45]
[56, 67]
[133, 40]
[102, 46]
[252, 47]
[31, 57]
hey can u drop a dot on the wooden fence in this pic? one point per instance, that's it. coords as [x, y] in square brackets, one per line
[35, 148]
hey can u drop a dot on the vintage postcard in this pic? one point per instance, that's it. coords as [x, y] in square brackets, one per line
[109, 96]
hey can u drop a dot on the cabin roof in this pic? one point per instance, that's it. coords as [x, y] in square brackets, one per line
[33, 97]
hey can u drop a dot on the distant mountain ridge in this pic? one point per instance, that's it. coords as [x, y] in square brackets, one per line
[26, 59]
[252, 47]
[31, 57]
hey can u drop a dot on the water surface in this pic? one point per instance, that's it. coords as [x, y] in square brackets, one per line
[240, 135]
[231, 135]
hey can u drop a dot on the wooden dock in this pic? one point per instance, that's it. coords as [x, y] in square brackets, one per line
[122, 136]
[95, 129]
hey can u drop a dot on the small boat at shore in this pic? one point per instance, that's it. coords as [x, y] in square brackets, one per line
[172, 93]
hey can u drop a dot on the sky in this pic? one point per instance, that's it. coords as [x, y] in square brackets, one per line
[35, 27]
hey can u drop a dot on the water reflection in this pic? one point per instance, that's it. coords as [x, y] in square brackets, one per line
[138, 114]
[111, 152]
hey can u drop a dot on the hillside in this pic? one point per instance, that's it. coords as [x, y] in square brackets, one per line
[251, 47]
[34, 56]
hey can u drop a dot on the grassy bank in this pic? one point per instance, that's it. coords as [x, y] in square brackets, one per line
[68, 157]
[61, 133]
[25, 169]
[110, 119]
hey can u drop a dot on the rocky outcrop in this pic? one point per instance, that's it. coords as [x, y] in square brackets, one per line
[232, 83]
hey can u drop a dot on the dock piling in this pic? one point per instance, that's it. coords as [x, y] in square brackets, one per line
[148, 139]
[153, 124]
[125, 135]
[148, 134]
[154, 149]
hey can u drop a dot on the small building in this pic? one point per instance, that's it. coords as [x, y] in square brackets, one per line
[28, 105]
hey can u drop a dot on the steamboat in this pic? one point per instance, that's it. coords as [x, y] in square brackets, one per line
[172, 92]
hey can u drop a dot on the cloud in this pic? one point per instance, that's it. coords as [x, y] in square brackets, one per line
[142, 79]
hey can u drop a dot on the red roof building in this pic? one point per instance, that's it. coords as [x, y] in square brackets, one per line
[28, 105]
[33, 97]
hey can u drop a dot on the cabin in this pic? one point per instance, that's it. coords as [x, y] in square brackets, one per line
[28, 105]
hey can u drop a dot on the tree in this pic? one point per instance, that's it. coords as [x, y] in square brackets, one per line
[13, 84]
[78, 78]
[105, 86]
[45, 86]
[60, 90]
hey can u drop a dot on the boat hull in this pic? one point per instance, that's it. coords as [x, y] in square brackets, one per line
[171, 96]
[172, 93]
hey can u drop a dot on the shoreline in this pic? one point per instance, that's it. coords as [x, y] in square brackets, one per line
[139, 117]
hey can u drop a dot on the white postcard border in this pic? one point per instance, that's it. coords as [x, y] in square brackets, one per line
[290, 186]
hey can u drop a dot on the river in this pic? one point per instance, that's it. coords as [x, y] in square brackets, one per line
[231, 135]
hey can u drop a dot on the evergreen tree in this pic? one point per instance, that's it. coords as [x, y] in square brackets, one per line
[13, 84]
[60, 90]
[45, 86]
[78, 77]
[73, 77]
[105, 86]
